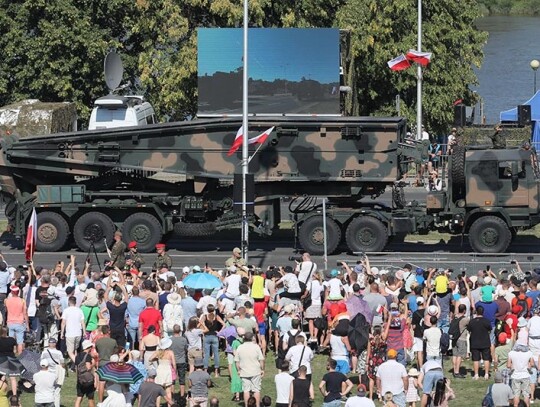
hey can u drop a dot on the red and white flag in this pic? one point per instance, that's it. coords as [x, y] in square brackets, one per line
[261, 138]
[421, 58]
[31, 236]
[399, 63]
[237, 141]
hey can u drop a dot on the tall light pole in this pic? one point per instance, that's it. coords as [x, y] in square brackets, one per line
[245, 158]
[419, 78]
[534, 65]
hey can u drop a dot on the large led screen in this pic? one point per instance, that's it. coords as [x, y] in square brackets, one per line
[291, 71]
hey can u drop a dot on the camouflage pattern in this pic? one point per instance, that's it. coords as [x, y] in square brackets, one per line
[118, 254]
[162, 259]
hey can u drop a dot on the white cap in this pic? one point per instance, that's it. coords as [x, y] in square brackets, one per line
[432, 310]
[232, 269]
[374, 270]
[87, 344]
[82, 287]
[114, 358]
[44, 363]
[185, 270]
[487, 280]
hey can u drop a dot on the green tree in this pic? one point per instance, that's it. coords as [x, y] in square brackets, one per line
[382, 29]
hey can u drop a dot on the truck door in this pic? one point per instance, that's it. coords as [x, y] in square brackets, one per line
[513, 189]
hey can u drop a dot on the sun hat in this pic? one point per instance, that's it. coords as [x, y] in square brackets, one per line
[165, 343]
[374, 270]
[14, 288]
[413, 372]
[87, 344]
[400, 274]
[173, 298]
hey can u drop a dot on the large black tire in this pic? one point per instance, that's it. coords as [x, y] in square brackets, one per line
[144, 229]
[195, 229]
[489, 234]
[458, 173]
[366, 234]
[52, 232]
[94, 226]
[311, 235]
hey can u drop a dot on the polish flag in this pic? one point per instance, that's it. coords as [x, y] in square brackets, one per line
[31, 236]
[458, 102]
[261, 138]
[421, 58]
[237, 141]
[399, 63]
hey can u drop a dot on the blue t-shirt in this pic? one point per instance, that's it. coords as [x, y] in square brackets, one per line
[533, 295]
[413, 306]
[490, 309]
[135, 306]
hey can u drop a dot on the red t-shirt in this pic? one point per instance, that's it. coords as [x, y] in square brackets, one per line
[258, 309]
[149, 317]
[514, 323]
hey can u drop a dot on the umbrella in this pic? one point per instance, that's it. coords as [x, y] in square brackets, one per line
[357, 305]
[201, 281]
[10, 366]
[122, 373]
[30, 361]
[358, 333]
[229, 333]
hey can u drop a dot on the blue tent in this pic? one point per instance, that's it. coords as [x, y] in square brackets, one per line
[512, 116]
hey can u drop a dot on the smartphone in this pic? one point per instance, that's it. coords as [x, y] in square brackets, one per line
[513, 262]
[126, 347]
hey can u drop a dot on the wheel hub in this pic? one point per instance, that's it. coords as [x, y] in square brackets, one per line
[366, 237]
[317, 237]
[94, 231]
[140, 233]
[47, 233]
[490, 237]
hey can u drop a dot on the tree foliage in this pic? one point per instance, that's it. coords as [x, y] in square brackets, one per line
[54, 49]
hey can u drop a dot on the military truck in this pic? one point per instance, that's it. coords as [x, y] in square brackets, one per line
[154, 180]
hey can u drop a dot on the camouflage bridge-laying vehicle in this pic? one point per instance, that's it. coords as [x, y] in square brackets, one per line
[153, 180]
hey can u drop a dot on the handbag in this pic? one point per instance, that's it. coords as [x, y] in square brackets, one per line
[307, 300]
[60, 371]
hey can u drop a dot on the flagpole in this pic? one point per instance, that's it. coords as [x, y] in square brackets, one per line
[245, 153]
[419, 78]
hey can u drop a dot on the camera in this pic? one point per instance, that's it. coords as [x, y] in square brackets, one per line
[513, 262]
[296, 258]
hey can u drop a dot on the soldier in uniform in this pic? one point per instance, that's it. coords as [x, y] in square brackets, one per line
[136, 257]
[162, 257]
[498, 138]
[236, 259]
[117, 251]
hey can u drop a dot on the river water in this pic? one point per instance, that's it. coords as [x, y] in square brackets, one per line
[506, 78]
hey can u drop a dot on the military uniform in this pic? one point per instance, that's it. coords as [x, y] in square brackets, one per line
[117, 254]
[162, 259]
[137, 258]
[233, 261]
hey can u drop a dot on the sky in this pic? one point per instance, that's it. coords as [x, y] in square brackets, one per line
[273, 53]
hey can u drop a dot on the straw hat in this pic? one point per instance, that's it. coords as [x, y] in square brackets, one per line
[165, 343]
[173, 298]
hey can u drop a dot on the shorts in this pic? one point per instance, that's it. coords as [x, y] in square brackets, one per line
[430, 380]
[492, 336]
[72, 343]
[418, 345]
[181, 373]
[534, 374]
[251, 384]
[17, 331]
[86, 391]
[343, 366]
[521, 386]
[194, 354]
[460, 350]
[481, 354]
[262, 328]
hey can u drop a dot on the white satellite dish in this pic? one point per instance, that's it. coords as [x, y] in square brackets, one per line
[114, 70]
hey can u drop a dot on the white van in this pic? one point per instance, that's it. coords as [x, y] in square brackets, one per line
[121, 111]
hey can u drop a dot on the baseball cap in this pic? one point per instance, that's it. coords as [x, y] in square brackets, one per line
[82, 287]
[374, 270]
[393, 306]
[392, 353]
[420, 300]
[132, 244]
[334, 273]
[237, 250]
[151, 372]
[44, 363]
[361, 389]
[196, 269]
[87, 344]
[52, 340]
[185, 270]
[502, 338]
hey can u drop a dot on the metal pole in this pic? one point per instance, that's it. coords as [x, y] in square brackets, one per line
[398, 104]
[245, 162]
[534, 82]
[419, 78]
[324, 234]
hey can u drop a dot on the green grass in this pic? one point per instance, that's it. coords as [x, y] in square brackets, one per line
[468, 392]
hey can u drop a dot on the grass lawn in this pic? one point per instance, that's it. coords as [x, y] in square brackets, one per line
[468, 392]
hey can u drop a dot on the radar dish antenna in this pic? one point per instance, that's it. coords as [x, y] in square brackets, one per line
[114, 70]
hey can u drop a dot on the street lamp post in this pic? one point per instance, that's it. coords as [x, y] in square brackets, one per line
[534, 65]
[419, 78]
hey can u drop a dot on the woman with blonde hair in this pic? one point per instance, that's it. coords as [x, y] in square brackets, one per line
[314, 289]
[166, 365]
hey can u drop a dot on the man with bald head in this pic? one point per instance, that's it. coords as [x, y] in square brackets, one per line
[376, 302]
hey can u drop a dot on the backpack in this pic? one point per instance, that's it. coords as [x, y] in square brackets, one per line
[522, 302]
[291, 341]
[44, 312]
[453, 330]
[85, 376]
[487, 401]
[444, 342]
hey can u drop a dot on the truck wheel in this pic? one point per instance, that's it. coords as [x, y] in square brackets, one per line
[93, 226]
[458, 172]
[143, 228]
[311, 235]
[52, 232]
[489, 234]
[366, 234]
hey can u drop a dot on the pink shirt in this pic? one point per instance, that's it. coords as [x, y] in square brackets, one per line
[15, 310]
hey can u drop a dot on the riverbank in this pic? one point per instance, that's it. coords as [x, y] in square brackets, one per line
[510, 8]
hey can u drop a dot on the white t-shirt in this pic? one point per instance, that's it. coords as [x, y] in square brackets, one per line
[315, 288]
[293, 356]
[304, 269]
[338, 348]
[233, 285]
[283, 384]
[359, 402]
[433, 340]
[290, 281]
[391, 374]
[206, 301]
[334, 286]
[520, 363]
[54, 357]
[73, 317]
[44, 381]
[534, 326]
